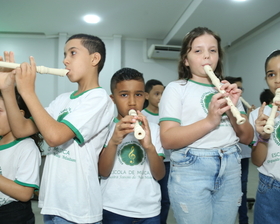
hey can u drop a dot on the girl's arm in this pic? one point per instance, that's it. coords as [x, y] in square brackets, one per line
[244, 131]
[15, 190]
[260, 149]
[20, 126]
[174, 136]
[108, 154]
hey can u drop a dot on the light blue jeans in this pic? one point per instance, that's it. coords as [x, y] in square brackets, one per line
[204, 185]
[266, 209]
[53, 219]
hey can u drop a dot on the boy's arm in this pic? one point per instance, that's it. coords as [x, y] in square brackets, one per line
[106, 159]
[20, 126]
[54, 132]
[155, 161]
[107, 156]
[15, 190]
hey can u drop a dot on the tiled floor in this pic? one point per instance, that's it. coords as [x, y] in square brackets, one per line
[252, 187]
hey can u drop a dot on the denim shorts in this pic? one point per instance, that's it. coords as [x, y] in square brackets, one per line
[204, 185]
[266, 208]
[53, 219]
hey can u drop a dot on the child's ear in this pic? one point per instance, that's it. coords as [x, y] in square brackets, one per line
[95, 58]
[112, 98]
[186, 62]
[146, 95]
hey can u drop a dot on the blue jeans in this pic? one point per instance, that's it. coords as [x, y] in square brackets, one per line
[113, 218]
[165, 203]
[204, 185]
[266, 208]
[53, 219]
[243, 217]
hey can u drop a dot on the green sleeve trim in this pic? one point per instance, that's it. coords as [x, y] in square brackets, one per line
[170, 119]
[243, 112]
[161, 154]
[78, 138]
[251, 144]
[27, 185]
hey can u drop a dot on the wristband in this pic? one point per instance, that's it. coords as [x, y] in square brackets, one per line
[260, 139]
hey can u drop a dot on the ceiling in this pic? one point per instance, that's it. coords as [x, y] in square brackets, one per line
[164, 20]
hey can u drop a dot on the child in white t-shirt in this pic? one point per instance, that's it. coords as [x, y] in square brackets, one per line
[129, 167]
[20, 159]
[75, 126]
[197, 124]
[266, 150]
[153, 92]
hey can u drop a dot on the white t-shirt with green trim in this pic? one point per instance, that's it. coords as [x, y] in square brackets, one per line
[186, 102]
[271, 165]
[153, 117]
[70, 186]
[131, 190]
[20, 161]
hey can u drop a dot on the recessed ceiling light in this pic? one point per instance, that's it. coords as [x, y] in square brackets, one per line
[240, 0]
[92, 19]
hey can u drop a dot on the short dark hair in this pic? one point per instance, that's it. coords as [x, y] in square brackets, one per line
[93, 44]
[232, 80]
[183, 70]
[266, 96]
[125, 74]
[38, 139]
[152, 82]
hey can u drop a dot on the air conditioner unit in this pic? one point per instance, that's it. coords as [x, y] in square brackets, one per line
[164, 52]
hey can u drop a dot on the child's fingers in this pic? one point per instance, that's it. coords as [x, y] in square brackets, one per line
[33, 64]
[11, 57]
[261, 109]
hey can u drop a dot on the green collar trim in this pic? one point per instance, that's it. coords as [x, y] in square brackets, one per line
[149, 112]
[73, 96]
[202, 84]
[9, 145]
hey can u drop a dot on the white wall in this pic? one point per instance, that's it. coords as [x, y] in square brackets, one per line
[246, 59]
[48, 51]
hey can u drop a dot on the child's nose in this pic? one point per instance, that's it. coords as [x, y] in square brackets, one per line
[132, 100]
[65, 61]
[277, 78]
[206, 54]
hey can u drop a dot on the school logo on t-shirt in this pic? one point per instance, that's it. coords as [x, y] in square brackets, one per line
[276, 134]
[205, 101]
[131, 154]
